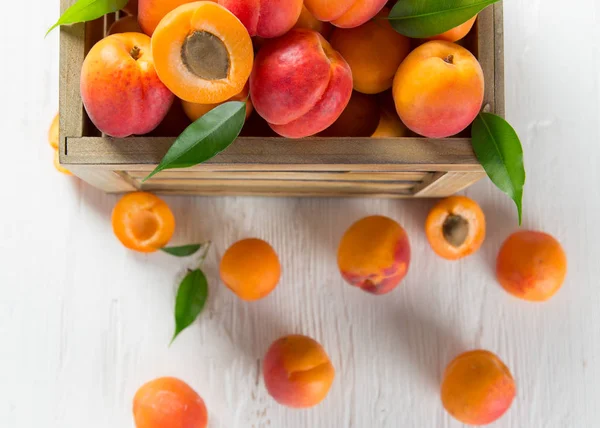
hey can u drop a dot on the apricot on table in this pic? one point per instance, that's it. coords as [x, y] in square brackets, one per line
[168, 402]
[456, 33]
[374, 52]
[195, 111]
[531, 265]
[300, 85]
[143, 222]
[265, 18]
[251, 269]
[309, 22]
[438, 89]
[455, 227]
[58, 166]
[53, 132]
[120, 88]
[127, 24]
[360, 118]
[297, 371]
[477, 388]
[202, 53]
[345, 13]
[374, 254]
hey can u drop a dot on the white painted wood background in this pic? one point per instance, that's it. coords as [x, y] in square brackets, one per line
[84, 322]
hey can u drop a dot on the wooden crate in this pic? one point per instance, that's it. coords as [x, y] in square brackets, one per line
[390, 168]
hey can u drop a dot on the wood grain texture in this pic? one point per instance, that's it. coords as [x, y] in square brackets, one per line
[84, 322]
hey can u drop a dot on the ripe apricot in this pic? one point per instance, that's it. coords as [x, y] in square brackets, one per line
[251, 269]
[374, 254]
[477, 388]
[345, 13]
[195, 111]
[120, 88]
[127, 24]
[58, 166]
[143, 222]
[202, 53]
[390, 125]
[297, 371]
[53, 132]
[438, 89]
[531, 265]
[168, 402]
[456, 33]
[455, 227]
[360, 118]
[374, 52]
[309, 22]
[151, 12]
[300, 85]
[265, 18]
[174, 123]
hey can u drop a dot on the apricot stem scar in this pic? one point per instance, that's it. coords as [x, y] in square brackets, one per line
[449, 59]
[135, 53]
[206, 56]
[456, 230]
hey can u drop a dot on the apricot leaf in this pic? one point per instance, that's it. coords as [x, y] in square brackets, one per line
[498, 149]
[190, 301]
[182, 251]
[88, 10]
[205, 138]
[426, 18]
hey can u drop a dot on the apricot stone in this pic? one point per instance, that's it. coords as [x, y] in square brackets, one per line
[477, 388]
[438, 89]
[297, 372]
[300, 85]
[531, 265]
[345, 13]
[374, 254]
[265, 18]
[120, 88]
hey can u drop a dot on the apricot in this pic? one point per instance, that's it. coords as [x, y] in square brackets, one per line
[374, 52]
[374, 254]
[251, 269]
[127, 24]
[390, 125]
[531, 265]
[300, 85]
[345, 13]
[174, 123]
[360, 118]
[265, 18]
[58, 166]
[168, 402]
[53, 132]
[297, 371]
[309, 22]
[195, 111]
[477, 388]
[455, 227]
[438, 89]
[120, 88]
[131, 7]
[151, 12]
[202, 52]
[143, 222]
[456, 33]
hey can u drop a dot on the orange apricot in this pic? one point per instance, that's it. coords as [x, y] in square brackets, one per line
[374, 254]
[297, 371]
[265, 18]
[360, 118]
[151, 12]
[374, 52]
[53, 132]
[202, 53]
[456, 33]
[309, 22]
[455, 227]
[477, 388]
[168, 402]
[120, 88]
[196, 111]
[143, 222]
[127, 24]
[531, 265]
[58, 166]
[389, 126]
[345, 13]
[251, 269]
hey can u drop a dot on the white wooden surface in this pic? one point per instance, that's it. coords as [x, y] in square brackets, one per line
[83, 322]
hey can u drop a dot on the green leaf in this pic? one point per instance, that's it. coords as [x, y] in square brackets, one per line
[191, 298]
[498, 149]
[88, 10]
[426, 18]
[183, 251]
[205, 138]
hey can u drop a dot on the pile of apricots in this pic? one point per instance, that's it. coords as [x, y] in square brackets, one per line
[306, 67]
[373, 255]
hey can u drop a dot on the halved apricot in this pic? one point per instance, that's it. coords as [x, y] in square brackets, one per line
[455, 227]
[202, 53]
[195, 111]
[143, 222]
